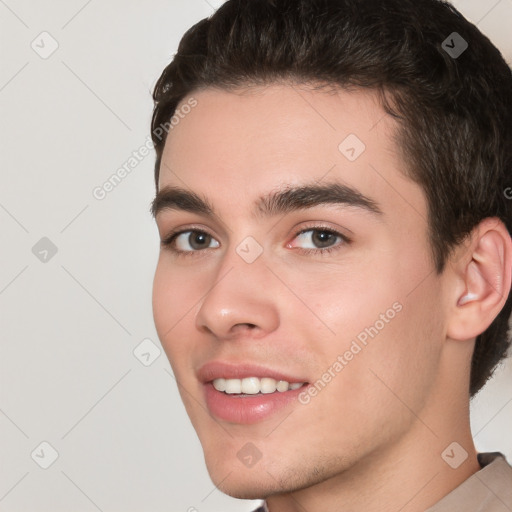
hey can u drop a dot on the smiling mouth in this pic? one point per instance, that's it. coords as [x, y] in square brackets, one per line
[237, 395]
[250, 386]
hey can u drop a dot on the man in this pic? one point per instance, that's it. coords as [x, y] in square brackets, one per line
[334, 278]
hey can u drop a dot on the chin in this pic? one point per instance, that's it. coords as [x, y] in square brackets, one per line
[262, 480]
[247, 485]
[245, 490]
[244, 483]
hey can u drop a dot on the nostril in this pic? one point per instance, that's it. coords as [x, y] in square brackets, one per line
[250, 326]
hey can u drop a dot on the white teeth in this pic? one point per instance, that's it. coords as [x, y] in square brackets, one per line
[233, 386]
[220, 384]
[267, 385]
[282, 385]
[254, 385]
[250, 386]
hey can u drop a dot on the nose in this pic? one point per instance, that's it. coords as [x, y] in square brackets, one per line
[241, 301]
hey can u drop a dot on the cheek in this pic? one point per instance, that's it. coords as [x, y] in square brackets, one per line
[174, 295]
[342, 303]
[398, 360]
[386, 319]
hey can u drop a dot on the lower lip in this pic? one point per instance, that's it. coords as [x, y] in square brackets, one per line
[247, 409]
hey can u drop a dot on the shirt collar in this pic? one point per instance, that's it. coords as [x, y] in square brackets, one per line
[491, 483]
[490, 487]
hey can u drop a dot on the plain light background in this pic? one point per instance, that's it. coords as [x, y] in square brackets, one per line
[70, 325]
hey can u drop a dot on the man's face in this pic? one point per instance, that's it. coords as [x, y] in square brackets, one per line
[332, 286]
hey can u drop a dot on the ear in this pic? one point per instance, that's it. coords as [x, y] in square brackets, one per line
[482, 280]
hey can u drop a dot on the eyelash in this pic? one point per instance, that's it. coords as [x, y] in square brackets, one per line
[168, 242]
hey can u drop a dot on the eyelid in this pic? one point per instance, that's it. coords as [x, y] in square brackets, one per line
[322, 226]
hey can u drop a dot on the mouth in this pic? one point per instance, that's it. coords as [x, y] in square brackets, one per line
[247, 394]
[251, 386]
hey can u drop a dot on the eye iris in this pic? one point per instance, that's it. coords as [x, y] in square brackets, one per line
[199, 240]
[323, 238]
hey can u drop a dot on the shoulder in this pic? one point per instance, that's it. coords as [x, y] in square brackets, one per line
[488, 490]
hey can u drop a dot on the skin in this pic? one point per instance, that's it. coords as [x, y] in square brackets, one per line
[372, 438]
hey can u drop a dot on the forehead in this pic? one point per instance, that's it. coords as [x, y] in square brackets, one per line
[275, 122]
[252, 141]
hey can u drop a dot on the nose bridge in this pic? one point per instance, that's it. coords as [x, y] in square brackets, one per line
[239, 294]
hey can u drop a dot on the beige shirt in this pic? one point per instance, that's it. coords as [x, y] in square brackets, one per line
[487, 490]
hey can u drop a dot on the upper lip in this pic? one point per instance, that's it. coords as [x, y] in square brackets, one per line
[219, 369]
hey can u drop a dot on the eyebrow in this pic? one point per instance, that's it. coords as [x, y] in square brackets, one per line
[287, 200]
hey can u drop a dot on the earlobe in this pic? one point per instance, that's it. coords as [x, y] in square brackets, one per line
[485, 280]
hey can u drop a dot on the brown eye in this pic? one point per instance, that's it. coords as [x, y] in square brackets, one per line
[323, 238]
[199, 240]
[317, 239]
[193, 240]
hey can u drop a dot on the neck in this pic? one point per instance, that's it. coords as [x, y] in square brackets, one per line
[409, 475]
